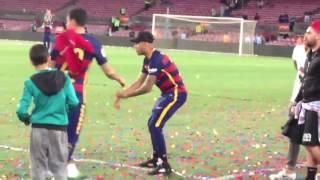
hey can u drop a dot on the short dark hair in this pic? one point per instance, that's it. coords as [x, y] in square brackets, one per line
[38, 54]
[79, 15]
[143, 36]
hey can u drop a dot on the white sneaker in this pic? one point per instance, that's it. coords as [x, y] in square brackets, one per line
[73, 171]
[283, 175]
[49, 174]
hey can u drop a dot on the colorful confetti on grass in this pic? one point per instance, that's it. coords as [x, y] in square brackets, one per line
[229, 128]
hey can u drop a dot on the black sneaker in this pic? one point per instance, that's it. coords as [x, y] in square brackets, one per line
[150, 163]
[163, 168]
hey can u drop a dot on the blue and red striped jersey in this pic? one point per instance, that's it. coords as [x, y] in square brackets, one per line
[78, 74]
[47, 29]
[169, 79]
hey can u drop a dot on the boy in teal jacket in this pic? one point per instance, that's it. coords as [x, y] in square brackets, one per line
[52, 94]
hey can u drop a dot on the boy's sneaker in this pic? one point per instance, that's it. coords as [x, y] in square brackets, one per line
[163, 168]
[283, 175]
[73, 171]
[48, 174]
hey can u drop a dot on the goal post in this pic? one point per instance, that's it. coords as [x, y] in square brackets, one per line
[223, 34]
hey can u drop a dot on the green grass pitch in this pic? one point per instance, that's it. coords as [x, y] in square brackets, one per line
[229, 125]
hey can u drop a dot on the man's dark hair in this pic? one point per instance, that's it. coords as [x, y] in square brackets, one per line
[38, 54]
[79, 15]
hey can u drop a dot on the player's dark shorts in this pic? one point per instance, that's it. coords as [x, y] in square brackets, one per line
[165, 107]
[307, 133]
[292, 130]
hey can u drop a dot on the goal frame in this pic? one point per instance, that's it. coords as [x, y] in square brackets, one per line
[241, 21]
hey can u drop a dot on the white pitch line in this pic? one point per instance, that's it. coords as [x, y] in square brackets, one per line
[13, 148]
[119, 165]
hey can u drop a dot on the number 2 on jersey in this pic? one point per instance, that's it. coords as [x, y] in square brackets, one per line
[79, 52]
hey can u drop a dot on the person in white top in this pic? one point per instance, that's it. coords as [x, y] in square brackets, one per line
[299, 57]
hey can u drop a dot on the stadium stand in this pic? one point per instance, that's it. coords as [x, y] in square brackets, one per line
[271, 11]
[29, 5]
[13, 25]
[97, 8]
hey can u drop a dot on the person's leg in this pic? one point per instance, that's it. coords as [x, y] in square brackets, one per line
[289, 171]
[58, 154]
[311, 141]
[315, 152]
[76, 118]
[292, 132]
[311, 164]
[293, 154]
[48, 43]
[158, 140]
[164, 112]
[152, 163]
[162, 101]
[153, 141]
[73, 136]
[38, 153]
[44, 42]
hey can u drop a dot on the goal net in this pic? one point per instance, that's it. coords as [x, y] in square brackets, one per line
[216, 34]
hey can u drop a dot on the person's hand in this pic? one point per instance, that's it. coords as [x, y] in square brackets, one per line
[121, 94]
[122, 82]
[292, 106]
[116, 103]
[118, 96]
[26, 122]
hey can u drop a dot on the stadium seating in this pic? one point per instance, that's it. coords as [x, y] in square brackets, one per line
[31, 5]
[13, 25]
[268, 13]
[199, 8]
[98, 8]
[283, 42]
[97, 29]
[272, 11]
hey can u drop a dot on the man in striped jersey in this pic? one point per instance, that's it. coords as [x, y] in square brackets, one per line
[157, 69]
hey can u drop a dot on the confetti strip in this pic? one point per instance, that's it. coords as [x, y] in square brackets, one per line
[257, 172]
[117, 165]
